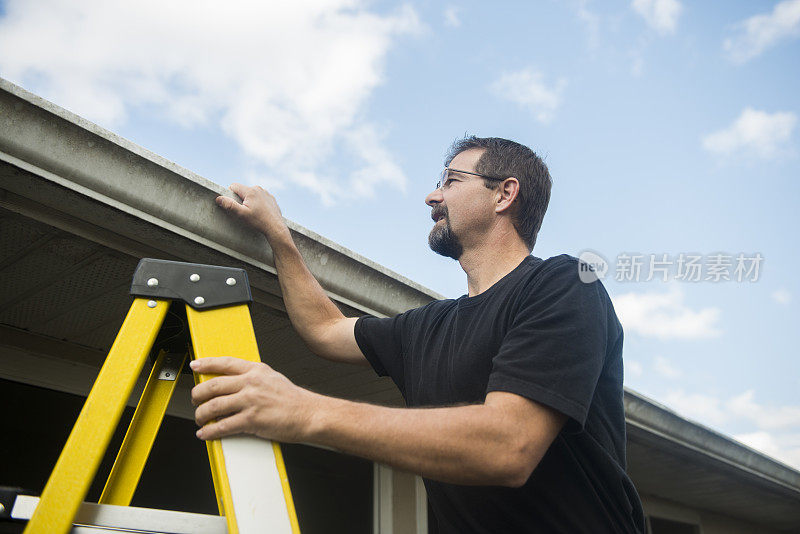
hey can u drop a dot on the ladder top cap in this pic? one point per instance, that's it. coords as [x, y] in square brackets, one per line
[200, 286]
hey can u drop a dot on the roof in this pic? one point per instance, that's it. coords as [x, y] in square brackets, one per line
[80, 205]
[672, 457]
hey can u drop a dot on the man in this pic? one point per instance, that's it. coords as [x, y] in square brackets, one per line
[516, 420]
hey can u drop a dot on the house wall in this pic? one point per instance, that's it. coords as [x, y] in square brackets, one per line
[708, 522]
[400, 503]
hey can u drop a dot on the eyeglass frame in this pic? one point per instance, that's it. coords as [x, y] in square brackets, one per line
[443, 176]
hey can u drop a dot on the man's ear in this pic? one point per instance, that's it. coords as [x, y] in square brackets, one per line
[506, 194]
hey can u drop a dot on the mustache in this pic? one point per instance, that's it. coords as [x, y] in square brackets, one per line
[438, 211]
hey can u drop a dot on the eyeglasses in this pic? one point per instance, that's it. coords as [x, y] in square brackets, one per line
[443, 177]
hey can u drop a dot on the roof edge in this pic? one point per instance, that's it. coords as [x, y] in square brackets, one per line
[659, 420]
[65, 148]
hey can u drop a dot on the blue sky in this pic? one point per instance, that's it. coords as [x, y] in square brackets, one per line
[668, 127]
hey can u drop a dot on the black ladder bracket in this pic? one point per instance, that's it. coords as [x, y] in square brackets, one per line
[200, 286]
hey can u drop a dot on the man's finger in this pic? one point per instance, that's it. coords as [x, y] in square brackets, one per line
[229, 204]
[216, 387]
[220, 365]
[239, 189]
[229, 426]
[218, 408]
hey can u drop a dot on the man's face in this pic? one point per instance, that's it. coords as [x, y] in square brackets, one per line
[459, 207]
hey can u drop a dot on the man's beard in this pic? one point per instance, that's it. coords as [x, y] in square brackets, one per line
[443, 241]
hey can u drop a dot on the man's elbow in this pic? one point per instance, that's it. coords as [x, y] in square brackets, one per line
[517, 476]
[518, 466]
[320, 338]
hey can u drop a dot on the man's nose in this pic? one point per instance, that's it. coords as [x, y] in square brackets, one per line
[434, 197]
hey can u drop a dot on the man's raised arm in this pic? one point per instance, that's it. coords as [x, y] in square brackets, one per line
[326, 331]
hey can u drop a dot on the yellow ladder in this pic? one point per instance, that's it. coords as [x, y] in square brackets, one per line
[248, 473]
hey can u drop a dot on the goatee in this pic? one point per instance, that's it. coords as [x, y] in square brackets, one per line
[443, 241]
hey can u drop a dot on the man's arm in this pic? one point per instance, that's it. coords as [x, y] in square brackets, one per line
[499, 442]
[317, 320]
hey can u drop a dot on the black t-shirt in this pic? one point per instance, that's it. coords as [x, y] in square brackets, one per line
[542, 333]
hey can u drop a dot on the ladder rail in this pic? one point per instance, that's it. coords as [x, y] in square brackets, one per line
[80, 458]
[142, 431]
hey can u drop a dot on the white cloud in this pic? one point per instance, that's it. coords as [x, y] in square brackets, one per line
[661, 15]
[288, 81]
[761, 441]
[698, 407]
[774, 430]
[781, 296]
[754, 132]
[633, 368]
[591, 22]
[451, 17]
[665, 368]
[742, 407]
[665, 316]
[767, 418]
[759, 32]
[379, 166]
[785, 448]
[528, 89]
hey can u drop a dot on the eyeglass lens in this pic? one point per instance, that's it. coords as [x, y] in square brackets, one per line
[442, 178]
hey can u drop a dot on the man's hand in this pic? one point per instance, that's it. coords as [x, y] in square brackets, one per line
[249, 398]
[258, 208]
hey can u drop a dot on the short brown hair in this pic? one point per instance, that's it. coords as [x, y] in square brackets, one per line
[503, 158]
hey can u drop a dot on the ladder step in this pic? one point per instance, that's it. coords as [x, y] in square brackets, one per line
[92, 517]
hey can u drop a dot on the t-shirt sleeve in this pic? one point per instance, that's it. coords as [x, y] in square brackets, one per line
[381, 341]
[555, 347]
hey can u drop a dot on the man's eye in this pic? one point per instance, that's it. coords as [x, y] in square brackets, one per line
[448, 182]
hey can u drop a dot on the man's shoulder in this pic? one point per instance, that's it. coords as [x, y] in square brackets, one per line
[557, 261]
[562, 273]
[569, 273]
[431, 308]
[562, 266]
[570, 268]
